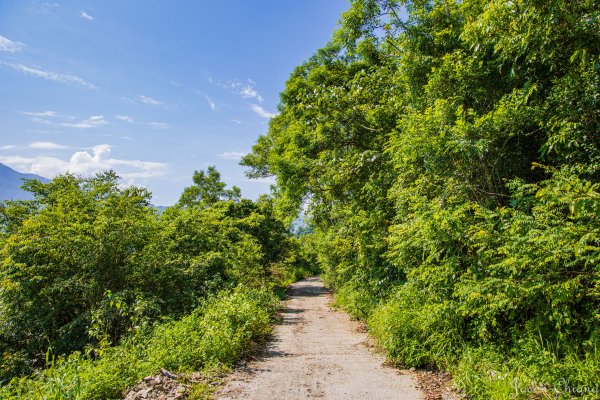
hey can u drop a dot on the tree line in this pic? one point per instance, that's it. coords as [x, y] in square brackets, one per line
[447, 154]
[89, 264]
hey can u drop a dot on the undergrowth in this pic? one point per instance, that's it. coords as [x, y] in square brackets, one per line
[415, 332]
[212, 338]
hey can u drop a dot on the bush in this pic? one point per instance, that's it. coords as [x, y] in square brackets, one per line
[216, 335]
[213, 337]
[415, 331]
[89, 261]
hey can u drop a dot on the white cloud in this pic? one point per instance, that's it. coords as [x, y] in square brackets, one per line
[153, 124]
[125, 118]
[45, 7]
[85, 15]
[211, 103]
[261, 111]
[245, 90]
[49, 75]
[86, 163]
[149, 100]
[158, 125]
[233, 155]
[248, 92]
[92, 122]
[48, 7]
[8, 147]
[40, 113]
[9, 45]
[46, 146]
[66, 121]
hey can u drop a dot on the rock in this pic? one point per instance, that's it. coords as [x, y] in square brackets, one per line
[157, 387]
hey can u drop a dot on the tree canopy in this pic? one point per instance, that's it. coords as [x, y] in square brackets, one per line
[207, 190]
[89, 262]
[448, 154]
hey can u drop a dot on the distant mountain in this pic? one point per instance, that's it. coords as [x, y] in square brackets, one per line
[11, 181]
[161, 208]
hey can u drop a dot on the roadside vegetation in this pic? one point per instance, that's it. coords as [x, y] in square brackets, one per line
[446, 158]
[447, 155]
[99, 290]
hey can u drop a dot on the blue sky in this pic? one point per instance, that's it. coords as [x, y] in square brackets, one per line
[151, 89]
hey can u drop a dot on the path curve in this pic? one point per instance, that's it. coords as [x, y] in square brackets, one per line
[317, 352]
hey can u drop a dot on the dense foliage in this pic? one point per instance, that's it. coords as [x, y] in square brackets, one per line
[210, 339]
[448, 153]
[88, 264]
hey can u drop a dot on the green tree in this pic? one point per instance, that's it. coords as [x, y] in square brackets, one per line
[62, 254]
[89, 262]
[448, 155]
[207, 190]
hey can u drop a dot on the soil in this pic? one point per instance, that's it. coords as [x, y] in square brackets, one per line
[319, 353]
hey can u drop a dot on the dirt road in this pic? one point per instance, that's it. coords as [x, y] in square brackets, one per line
[317, 352]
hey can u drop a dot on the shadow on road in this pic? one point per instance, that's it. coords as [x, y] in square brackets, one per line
[308, 290]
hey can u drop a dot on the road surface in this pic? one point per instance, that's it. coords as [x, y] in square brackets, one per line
[318, 353]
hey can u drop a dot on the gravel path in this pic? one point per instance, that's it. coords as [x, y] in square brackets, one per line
[317, 352]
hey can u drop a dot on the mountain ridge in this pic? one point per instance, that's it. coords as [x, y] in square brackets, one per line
[11, 182]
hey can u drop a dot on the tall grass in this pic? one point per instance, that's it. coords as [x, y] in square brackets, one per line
[213, 337]
[416, 333]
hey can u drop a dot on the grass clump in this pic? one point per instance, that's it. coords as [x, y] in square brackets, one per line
[414, 331]
[216, 335]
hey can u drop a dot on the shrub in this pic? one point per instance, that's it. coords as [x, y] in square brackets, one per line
[213, 337]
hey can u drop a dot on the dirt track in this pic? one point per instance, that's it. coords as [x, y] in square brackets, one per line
[317, 352]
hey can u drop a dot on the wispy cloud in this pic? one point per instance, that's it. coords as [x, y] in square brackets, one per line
[66, 121]
[261, 111]
[8, 147]
[46, 146]
[149, 100]
[247, 90]
[40, 113]
[233, 155]
[158, 125]
[86, 163]
[49, 75]
[211, 103]
[125, 118]
[45, 7]
[152, 124]
[85, 15]
[48, 7]
[92, 122]
[9, 45]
